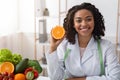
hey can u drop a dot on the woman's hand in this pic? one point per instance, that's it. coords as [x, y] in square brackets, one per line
[82, 78]
[54, 43]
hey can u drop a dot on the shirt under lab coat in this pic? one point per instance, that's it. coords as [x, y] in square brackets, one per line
[88, 66]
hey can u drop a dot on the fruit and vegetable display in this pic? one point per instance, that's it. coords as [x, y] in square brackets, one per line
[14, 67]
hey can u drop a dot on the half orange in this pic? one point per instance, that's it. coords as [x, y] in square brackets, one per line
[6, 67]
[58, 32]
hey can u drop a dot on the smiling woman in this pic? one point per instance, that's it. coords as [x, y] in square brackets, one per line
[83, 44]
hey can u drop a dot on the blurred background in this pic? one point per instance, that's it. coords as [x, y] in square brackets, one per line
[25, 24]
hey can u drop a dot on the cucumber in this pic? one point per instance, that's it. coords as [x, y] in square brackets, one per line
[21, 66]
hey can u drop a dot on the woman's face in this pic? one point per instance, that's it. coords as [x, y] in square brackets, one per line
[84, 23]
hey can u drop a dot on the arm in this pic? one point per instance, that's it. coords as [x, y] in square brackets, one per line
[55, 65]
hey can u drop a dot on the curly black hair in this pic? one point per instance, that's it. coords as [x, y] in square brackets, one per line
[68, 24]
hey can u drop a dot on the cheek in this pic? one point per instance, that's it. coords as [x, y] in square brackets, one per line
[92, 24]
[76, 25]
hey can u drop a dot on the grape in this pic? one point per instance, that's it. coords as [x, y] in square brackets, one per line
[1, 77]
[11, 79]
[5, 74]
[5, 78]
[11, 75]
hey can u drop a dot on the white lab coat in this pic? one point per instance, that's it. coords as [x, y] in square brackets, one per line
[88, 65]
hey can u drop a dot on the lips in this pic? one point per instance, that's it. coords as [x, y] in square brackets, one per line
[83, 28]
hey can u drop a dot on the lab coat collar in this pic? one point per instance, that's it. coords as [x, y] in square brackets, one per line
[88, 51]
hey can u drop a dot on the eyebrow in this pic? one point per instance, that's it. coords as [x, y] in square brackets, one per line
[85, 17]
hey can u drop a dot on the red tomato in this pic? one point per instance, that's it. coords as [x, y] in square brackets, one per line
[36, 74]
[27, 70]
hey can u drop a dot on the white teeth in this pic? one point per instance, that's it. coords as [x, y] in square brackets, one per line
[83, 28]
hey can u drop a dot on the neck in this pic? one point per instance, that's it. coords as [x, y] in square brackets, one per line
[83, 41]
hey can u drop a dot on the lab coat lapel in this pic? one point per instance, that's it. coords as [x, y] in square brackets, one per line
[75, 51]
[89, 50]
[77, 61]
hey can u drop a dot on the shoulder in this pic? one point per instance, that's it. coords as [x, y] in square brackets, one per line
[107, 46]
[64, 43]
[61, 49]
[106, 42]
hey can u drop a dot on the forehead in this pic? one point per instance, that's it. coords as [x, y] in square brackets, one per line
[83, 13]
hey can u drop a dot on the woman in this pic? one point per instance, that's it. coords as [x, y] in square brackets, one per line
[82, 54]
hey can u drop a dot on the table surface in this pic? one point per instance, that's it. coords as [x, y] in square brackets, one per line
[43, 78]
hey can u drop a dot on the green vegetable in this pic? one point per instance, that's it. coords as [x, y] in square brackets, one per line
[21, 66]
[16, 58]
[5, 55]
[35, 64]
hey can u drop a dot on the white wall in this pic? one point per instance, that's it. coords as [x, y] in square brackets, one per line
[26, 26]
[9, 24]
[8, 17]
[26, 15]
[16, 17]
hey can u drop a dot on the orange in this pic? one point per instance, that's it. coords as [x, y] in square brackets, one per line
[19, 76]
[6, 67]
[58, 32]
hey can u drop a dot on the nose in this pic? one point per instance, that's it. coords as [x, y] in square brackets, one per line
[83, 23]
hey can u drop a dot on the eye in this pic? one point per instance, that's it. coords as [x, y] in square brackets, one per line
[89, 19]
[78, 20]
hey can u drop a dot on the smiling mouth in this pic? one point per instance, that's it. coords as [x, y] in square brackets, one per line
[83, 28]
